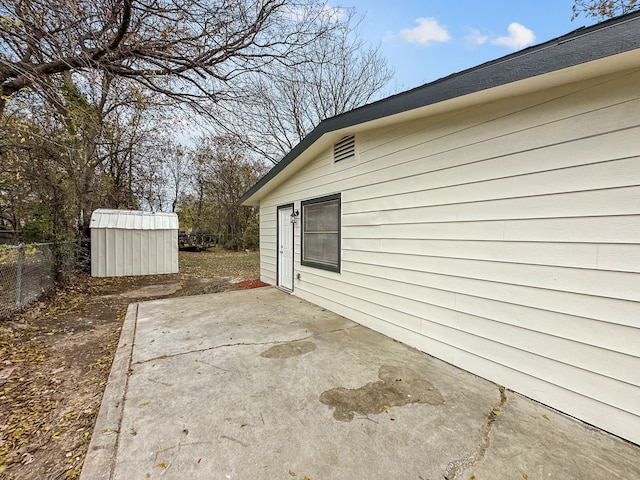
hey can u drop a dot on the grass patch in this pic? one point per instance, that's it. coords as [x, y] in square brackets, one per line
[217, 262]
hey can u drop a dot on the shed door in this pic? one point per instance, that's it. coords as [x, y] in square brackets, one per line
[285, 247]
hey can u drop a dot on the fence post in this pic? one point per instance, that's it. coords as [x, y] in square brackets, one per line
[19, 276]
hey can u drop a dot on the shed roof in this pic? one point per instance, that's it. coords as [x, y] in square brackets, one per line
[584, 45]
[133, 220]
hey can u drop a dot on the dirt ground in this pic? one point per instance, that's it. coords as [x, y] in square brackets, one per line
[56, 355]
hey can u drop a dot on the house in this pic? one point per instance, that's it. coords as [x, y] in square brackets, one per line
[490, 219]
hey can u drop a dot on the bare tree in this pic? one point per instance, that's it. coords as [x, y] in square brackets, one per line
[82, 83]
[221, 172]
[149, 187]
[128, 134]
[604, 8]
[188, 50]
[177, 166]
[339, 72]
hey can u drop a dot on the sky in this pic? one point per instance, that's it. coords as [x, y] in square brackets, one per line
[423, 40]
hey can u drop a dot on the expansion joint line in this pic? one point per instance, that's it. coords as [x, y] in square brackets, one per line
[457, 467]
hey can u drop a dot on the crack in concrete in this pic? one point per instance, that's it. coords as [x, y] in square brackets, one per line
[201, 350]
[242, 344]
[457, 467]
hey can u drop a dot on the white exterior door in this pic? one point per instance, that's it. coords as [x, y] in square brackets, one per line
[285, 247]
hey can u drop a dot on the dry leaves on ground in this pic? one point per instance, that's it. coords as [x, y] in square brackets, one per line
[56, 357]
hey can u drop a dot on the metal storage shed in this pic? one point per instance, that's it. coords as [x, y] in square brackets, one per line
[129, 242]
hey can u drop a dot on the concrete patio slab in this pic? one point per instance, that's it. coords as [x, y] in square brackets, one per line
[260, 384]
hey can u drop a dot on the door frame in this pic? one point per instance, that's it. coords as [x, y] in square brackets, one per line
[289, 206]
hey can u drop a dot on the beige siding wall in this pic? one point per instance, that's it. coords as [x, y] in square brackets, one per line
[504, 239]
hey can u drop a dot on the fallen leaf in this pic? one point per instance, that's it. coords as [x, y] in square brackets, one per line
[524, 475]
[143, 404]
[496, 412]
[244, 425]
[293, 474]
[546, 418]
[5, 373]
[160, 465]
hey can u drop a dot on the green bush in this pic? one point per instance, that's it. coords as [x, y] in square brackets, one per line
[251, 237]
[37, 229]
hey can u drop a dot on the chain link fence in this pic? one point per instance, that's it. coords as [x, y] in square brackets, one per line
[27, 272]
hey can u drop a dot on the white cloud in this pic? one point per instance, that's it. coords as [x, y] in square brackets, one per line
[475, 37]
[427, 31]
[519, 37]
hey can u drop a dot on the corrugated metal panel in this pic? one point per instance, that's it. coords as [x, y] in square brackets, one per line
[127, 242]
[133, 220]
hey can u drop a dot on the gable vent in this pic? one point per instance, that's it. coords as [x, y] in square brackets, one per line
[345, 148]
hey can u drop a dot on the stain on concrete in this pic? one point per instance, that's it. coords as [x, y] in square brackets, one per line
[287, 350]
[398, 386]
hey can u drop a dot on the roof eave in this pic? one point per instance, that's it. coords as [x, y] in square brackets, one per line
[581, 46]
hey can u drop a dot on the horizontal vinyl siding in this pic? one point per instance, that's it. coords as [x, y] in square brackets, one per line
[504, 239]
[268, 228]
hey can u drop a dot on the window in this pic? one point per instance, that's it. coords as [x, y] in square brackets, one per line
[321, 233]
[344, 149]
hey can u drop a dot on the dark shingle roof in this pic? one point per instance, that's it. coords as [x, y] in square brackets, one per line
[583, 45]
